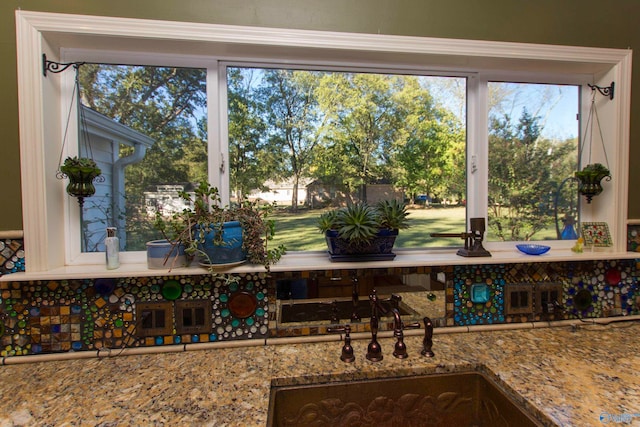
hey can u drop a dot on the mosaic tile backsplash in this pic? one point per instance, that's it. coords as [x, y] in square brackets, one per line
[633, 238]
[41, 317]
[484, 294]
[11, 256]
[56, 316]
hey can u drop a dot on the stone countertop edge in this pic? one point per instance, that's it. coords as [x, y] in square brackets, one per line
[177, 348]
[568, 376]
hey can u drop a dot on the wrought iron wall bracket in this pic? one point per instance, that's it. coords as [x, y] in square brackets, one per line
[606, 91]
[56, 67]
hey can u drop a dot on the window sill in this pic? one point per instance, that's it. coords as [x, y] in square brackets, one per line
[307, 261]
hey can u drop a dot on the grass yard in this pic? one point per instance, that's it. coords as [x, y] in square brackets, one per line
[299, 231]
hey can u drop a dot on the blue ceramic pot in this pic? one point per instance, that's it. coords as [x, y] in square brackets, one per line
[378, 248]
[159, 250]
[229, 251]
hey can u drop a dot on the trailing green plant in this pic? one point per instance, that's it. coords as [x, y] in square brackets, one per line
[361, 222]
[81, 172]
[206, 214]
[84, 165]
[594, 171]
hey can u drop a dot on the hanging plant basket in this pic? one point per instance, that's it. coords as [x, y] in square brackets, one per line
[81, 173]
[590, 178]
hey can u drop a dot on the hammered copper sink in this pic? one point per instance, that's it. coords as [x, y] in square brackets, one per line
[447, 400]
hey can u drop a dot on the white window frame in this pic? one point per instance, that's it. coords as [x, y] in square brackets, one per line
[60, 36]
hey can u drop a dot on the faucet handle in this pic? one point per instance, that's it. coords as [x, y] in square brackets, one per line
[374, 351]
[427, 342]
[414, 325]
[347, 355]
[394, 299]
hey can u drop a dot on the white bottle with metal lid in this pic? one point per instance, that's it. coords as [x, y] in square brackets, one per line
[112, 249]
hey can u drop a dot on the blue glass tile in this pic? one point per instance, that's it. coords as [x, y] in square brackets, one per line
[480, 293]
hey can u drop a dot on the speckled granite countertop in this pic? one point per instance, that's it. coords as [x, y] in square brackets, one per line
[572, 377]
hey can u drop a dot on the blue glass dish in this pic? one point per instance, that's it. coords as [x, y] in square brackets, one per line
[531, 249]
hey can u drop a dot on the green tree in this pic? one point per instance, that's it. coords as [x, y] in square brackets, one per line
[430, 149]
[524, 174]
[251, 159]
[388, 128]
[295, 122]
[363, 125]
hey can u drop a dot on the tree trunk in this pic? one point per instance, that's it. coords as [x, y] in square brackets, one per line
[294, 196]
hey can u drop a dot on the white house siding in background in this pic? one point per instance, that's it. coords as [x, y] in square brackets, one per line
[107, 207]
[166, 199]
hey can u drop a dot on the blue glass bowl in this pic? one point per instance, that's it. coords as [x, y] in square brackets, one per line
[531, 249]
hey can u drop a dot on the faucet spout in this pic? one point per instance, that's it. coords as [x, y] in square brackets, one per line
[397, 321]
[354, 299]
[400, 349]
[374, 351]
[394, 300]
[427, 342]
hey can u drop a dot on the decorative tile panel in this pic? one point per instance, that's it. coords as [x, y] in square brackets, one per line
[467, 309]
[11, 256]
[57, 316]
[40, 317]
[589, 289]
[633, 238]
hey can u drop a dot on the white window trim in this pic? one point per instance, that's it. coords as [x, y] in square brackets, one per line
[40, 124]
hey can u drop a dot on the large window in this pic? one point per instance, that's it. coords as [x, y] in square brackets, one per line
[307, 139]
[425, 107]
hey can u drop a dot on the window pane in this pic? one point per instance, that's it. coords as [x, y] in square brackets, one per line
[533, 154]
[146, 129]
[308, 140]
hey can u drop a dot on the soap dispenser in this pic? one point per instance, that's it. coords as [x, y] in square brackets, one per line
[112, 249]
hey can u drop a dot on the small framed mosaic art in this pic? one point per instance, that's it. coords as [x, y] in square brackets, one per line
[596, 234]
[633, 237]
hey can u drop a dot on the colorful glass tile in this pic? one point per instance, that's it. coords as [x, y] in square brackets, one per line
[56, 316]
[12, 256]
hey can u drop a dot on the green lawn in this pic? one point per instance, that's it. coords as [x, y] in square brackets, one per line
[299, 231]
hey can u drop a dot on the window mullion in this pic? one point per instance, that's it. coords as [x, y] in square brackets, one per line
[217, 135]
[477, 147]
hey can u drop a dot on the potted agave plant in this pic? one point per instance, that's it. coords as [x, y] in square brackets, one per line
[361, 232]
[589, 180]
[220, 236]
[81, 172]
